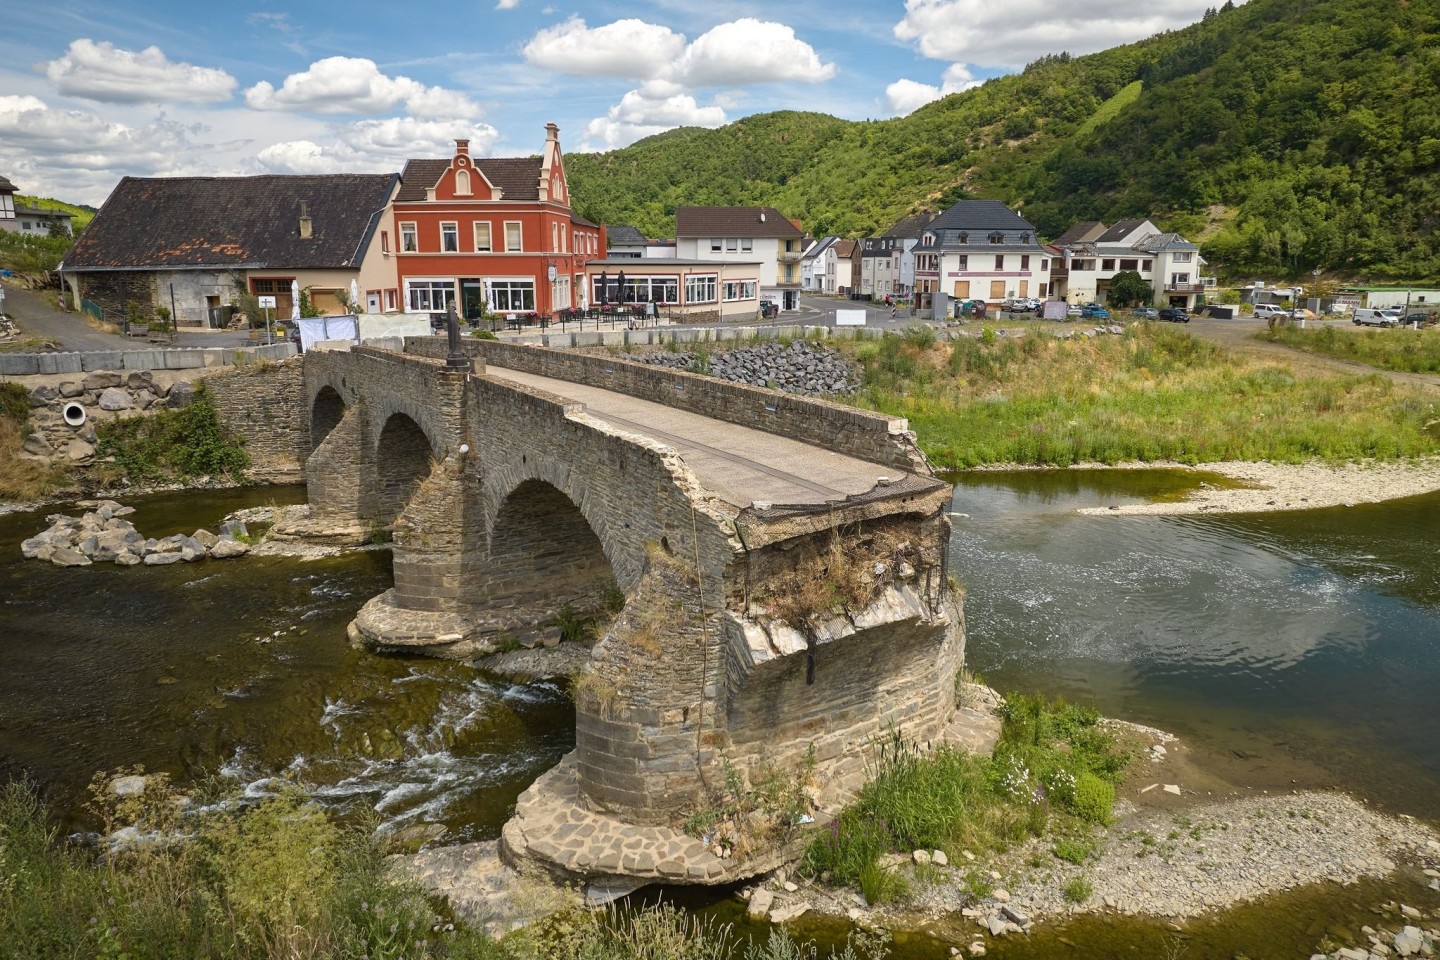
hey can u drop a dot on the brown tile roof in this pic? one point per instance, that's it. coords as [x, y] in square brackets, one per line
[845, 249]
[518, 177]
[233, 221]
[734, 222]
[1085, 231]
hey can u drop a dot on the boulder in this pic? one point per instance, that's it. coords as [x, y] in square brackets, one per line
[43, 396]
[69, 557]
[127, 559]
[1409, 941]
[180, 395]
[760, 902]
[234, 528]
[131, 786]
[205, 538]
[224, 549]
[161, 559]
[113, 398]
[37, 446]
[139, 379]
[70, 388]
[78, 450]
[101, 380]
[789, 912]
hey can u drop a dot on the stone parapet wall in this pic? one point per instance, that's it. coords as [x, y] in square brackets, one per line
[152, 358]
[266, 405]
[857, 433]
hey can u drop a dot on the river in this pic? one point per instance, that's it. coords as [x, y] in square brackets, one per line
[1299, 646]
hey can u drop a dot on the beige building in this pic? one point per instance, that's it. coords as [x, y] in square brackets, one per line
[734, 234]
[677, 287]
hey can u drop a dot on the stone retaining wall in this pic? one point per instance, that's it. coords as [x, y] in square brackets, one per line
[858, 433]
[155, 358]
[266, 405]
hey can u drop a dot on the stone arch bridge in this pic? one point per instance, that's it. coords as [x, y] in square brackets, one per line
[781, 563]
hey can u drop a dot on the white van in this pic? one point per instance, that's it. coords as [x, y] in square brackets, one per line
[1382, 317]
[1264, 311]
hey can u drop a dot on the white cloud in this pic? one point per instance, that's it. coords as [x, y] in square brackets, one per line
[507, 4]
[906, 96]
[356, 85]
[750, 51]
[1015, 33]
[625, 48]
[102, 71]
[655, 108]
[375, 146]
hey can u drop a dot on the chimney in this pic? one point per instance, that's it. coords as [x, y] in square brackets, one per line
[307, 226]
[462, 148]
[552, 132]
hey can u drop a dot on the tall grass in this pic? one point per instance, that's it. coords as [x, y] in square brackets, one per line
[20, 479]
[1155, 393]
[1052, 761]
[1411, 351]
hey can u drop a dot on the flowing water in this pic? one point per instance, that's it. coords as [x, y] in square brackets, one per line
[242, 667]
[1298, 646]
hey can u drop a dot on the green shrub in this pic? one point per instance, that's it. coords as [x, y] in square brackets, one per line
[483, 335]
[1079, 889]
[14, 402]
[188, 442]
[879, 885]
[1094, 799]
[1073, 851]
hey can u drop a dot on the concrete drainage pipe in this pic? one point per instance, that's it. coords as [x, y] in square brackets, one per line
[74, 414]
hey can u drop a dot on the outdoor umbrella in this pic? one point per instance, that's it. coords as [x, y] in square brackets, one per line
[294, 299]
[354, 295]
[620, 287]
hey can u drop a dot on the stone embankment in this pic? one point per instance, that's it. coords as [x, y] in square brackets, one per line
[102, 535]
[801, 367]
[63, 417]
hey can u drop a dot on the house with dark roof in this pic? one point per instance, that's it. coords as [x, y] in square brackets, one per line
[979, 250]
[812, 264]
[841, 269]
[1091, 254]
[490, 233]
[760, 234]
[887, 262]
[32, 221]
[192, 244]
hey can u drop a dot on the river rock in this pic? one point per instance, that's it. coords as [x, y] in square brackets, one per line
[789, 912]
[69, 389]
[131, 786]
[162, 559]
[78, 450]
[115, 399]
[225, 548]
[205, 538]
[760, 902]
[101, 380]
[234, 528]
[69, 557]
[128, 559]
[1409, 941]
[180, 395]
[939, 858]
[43, 396]
[37, 446]
[139, 379]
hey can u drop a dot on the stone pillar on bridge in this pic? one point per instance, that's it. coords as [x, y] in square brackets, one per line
[437, 541]
[333, 479]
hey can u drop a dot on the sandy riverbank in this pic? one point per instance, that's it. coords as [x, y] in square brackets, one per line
[1283, 486]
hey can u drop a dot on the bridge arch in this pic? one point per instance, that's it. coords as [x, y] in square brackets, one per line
[403, 458]
[327, 409]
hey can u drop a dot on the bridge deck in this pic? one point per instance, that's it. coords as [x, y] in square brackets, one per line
[739, 464]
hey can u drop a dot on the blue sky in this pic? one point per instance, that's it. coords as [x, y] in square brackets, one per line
[93, 91]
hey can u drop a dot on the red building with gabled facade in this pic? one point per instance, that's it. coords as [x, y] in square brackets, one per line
[492, 231]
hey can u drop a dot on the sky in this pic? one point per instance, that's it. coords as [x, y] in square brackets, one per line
[94, 91]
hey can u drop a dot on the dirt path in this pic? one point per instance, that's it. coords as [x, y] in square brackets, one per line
[1236, 334]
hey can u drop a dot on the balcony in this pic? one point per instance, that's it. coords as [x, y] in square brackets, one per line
[1184, 288]
[789, 256]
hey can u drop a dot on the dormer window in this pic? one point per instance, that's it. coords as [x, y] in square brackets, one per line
[963, 238]
[1024, 238]
[929, 238]
[997, 238]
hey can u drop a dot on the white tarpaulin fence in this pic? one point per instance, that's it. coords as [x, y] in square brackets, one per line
[327, 328]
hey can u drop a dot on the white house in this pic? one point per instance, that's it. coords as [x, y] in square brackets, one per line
[30, 221]
[840, 268]
[1089, 255]
[979, 250]
[759, 234]
[812, 264]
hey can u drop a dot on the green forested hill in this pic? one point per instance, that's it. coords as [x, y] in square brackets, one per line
[1287, 135]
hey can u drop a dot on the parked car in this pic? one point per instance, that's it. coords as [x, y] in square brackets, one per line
[1094, 311]
[1074, 311]
[1146, 313]
[1369, 317]
[1174, 315]
[1264, 311]
[1420, 319]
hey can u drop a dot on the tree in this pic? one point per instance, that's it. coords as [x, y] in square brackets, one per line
[1128, 290]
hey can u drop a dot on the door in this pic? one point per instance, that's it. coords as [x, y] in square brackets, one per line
[472, 298]
[372, 301]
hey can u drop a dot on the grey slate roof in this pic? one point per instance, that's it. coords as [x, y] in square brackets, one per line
[233, 221]
[979, 215]
[1117, 233]
[620, 235]
[734, 222]
[40, 212]
[6, 186]
[911, 227]
[1165, 241]
[517, 177]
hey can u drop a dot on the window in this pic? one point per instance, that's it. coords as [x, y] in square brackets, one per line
[1107, 265]
[408, 241]
[1044, 290]
[732, 244]
[963, 262]
[1182, 256]
[7, 206]
[999, 261]
[746, 244]
[739, 290]
[1178, 279]
[512, 295]
[462, 183]
[513, 238]
[714, 245]
[1024, 261]
[997, 238]
[429, 295]
[962, 289]
[1147, 265]
[1083, 265]
[450, 237]
[1044, 265]
[482, 236]
[390, 299]
[384, 241]
[1129, 264]
[963, 238]
[997, 289]
[700, 289]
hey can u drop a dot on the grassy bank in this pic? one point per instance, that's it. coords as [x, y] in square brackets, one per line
[1154, 393]
[281, 879]
[1409, 351]
[1053, 774]
[21, 480]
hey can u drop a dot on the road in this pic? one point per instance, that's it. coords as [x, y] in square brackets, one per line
[33, 314]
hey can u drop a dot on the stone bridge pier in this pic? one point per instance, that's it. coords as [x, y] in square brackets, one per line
[756, 638]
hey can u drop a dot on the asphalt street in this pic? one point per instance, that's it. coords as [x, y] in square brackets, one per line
[33, 314]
